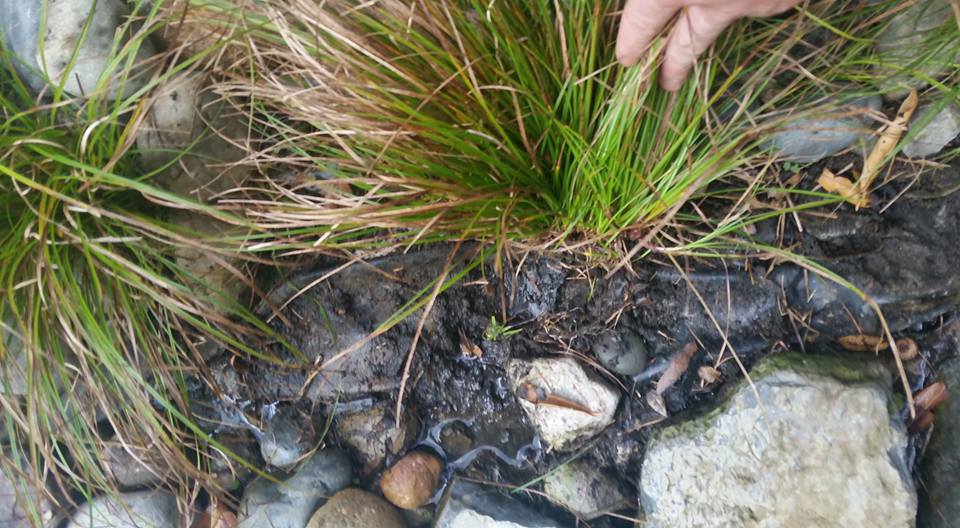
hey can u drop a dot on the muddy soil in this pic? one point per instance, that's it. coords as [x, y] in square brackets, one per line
[905, 259]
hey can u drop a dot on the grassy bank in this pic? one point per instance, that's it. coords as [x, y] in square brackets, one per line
[375, 127]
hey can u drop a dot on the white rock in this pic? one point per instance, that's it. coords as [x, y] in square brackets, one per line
[942, 128]
[584, 490]
[142, 509]
[561, 428]
[816, 452]
[373, 434]
[192, 139]
[65, 22]
[291, 503]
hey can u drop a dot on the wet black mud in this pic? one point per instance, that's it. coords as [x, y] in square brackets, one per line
[906, 259]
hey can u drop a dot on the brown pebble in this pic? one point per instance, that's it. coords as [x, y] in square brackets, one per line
[928, 398]
[412, 481]
[907, 349]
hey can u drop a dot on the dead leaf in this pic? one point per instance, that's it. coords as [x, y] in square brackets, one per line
[708, 374]
[677, 366]
[889, 137]
[657, 403]
[539, 396]
[931, 396]
[843, 187]
[862, 343]
[468, 348]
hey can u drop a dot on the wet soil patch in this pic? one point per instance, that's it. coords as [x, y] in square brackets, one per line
[548, 306]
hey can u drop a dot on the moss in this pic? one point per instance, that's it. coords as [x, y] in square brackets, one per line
[849, 369]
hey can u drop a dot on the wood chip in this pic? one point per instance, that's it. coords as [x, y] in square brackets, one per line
[708, 374]
[468, 348]
[906, 348]
[677, 367]
[657, 403]
[862, 343]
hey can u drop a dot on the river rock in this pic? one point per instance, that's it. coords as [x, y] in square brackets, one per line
[65, 21]
[821, 447]
[373, 433]
[192, 139]
[581, 488]
[291, 503]
[823, 133]
[287, 435]
[622, 352]
[204, 266]
[353, 508]
[20, 506]
[469, 505]
[914, 45]
[133, 467]
[941, 125]
[940, 468]
[141, 509]
[562, 428]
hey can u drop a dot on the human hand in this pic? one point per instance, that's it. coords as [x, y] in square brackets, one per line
[698, 26]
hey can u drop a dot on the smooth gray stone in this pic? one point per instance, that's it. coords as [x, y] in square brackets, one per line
[811, 138]
[291, 503]
[469, 505]
[141, 509]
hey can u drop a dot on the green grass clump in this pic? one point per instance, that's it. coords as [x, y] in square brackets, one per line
[377, 125]
[413, 122]
[100, 322]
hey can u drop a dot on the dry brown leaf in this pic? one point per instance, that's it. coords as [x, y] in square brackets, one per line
[862, 343]
[468, 348]
[656, 402]
[678, 365]
[708, 374]
[842, 187]
[921, 423]
[931, 396]
[889, 137]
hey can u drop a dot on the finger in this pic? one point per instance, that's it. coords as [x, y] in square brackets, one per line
[639, 24]
[696, 29]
